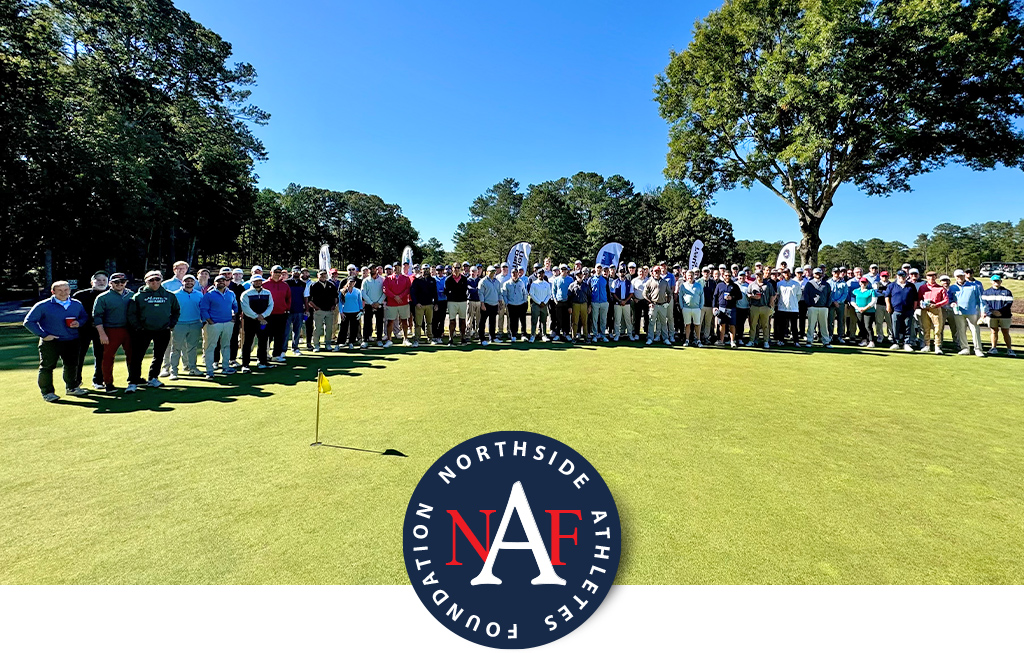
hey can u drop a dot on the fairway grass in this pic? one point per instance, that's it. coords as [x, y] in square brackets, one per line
[850, 466]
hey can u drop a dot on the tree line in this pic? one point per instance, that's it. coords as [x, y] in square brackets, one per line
[573, 217]
[945, 249]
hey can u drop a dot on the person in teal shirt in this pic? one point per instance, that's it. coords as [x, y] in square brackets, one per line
[864, 303]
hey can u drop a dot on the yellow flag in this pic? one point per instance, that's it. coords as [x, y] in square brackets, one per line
[323, 386]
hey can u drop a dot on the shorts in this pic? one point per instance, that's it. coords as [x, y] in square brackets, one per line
[726, 316]
[396, 312]
[458, 310]
[999, 322]
[691, 316]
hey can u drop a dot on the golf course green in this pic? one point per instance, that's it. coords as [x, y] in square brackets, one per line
[749, 466]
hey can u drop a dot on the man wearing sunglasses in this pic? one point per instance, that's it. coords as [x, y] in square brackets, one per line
[110, 317]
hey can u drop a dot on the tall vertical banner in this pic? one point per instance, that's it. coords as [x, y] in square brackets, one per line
[407, 257]
[696, 255]
[609, 255]
[325, 257]
[519, 256]
[787, 254]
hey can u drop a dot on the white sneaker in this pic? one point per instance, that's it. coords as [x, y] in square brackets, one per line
[545, 339]
[363, 345]
[894, 347]
[316, 350]
[209, 377]
[244, 369]
[98, 386]
[871, 345]
[964, 352]
[155, 383]
[77, 392]
[386, 343]
[732, 344]
[50, 397]
[978, 353]
[908, 348]
[405, 342]
[938, 350]
[131, 388]
[165, 373]
[173, 376]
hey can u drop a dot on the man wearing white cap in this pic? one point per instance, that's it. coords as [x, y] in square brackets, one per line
[489, 291]
[188, 332]
[217, 311]
[257, 306]
[965, 300]
[997, 304]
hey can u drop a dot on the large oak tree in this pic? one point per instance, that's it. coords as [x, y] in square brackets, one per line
[802, 96]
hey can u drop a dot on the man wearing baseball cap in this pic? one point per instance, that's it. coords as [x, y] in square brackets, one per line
[278, 319]
[934, 299]
[217, 311]
[298, 311]
[87, 333]
[110, 318]
[966, 303]
[372, 288]
[188, 330]
[257, 306]
[882, 316]
[901, 300]
[489, 291]
[397, 312]
[152, 312]
[997, 304]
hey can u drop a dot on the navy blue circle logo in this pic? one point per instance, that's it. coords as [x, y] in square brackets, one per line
[512, 539]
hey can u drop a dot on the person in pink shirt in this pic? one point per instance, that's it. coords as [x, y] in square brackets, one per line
[933, 298]
[278, 319]
[396, 300]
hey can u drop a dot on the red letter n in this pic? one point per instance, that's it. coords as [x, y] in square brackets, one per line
[458, 521]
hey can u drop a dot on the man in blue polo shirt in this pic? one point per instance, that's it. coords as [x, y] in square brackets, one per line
[840, 288]
[901, 300]
[56, 321]
[599, 304]
[563, 307]
[965, 299]
[217, 310]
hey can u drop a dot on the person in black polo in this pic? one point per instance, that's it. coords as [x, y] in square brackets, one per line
[456, 287]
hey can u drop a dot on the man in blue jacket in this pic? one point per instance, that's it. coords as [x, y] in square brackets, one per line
[217, 310]
[996, 303]
[56, 321]
[965, 299]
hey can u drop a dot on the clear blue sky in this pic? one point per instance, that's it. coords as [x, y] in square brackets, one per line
[429, 104]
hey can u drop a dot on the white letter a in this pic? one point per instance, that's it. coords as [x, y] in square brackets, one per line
[517, 502]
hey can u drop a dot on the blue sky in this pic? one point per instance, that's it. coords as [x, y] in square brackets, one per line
[429, 104]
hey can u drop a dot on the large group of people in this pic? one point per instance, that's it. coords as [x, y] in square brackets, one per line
[226, 316]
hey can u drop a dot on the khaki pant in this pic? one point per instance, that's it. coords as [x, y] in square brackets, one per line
[817, 316]
[424, 313]
[502, 319]
[707, 321]
[185, 339]
[623, 320]
[659, 321]
[578, 322]
[473, 318]
[882, 317]
[760, 317]
[963, 323]
[932, 317]
[851, 320]
[323, 327]
[671, 320]
[217, 336]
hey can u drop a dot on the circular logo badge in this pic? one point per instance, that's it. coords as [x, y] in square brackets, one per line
[512, 539]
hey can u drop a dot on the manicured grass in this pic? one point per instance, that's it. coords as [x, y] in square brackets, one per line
[850, 466]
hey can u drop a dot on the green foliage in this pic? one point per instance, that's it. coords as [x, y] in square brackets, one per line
[432, 253]
[126, 136]
[750, 252]
[573, 217]
[802, 96]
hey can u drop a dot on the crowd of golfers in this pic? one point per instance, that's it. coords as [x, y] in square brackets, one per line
[220, 319]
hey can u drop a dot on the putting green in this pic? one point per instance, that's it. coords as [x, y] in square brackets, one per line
[850, 466]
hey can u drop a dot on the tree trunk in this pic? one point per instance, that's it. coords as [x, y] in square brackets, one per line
[810, 226]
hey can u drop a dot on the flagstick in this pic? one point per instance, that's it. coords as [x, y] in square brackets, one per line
[317, 443]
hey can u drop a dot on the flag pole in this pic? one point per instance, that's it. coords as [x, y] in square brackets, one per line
[317, 443]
